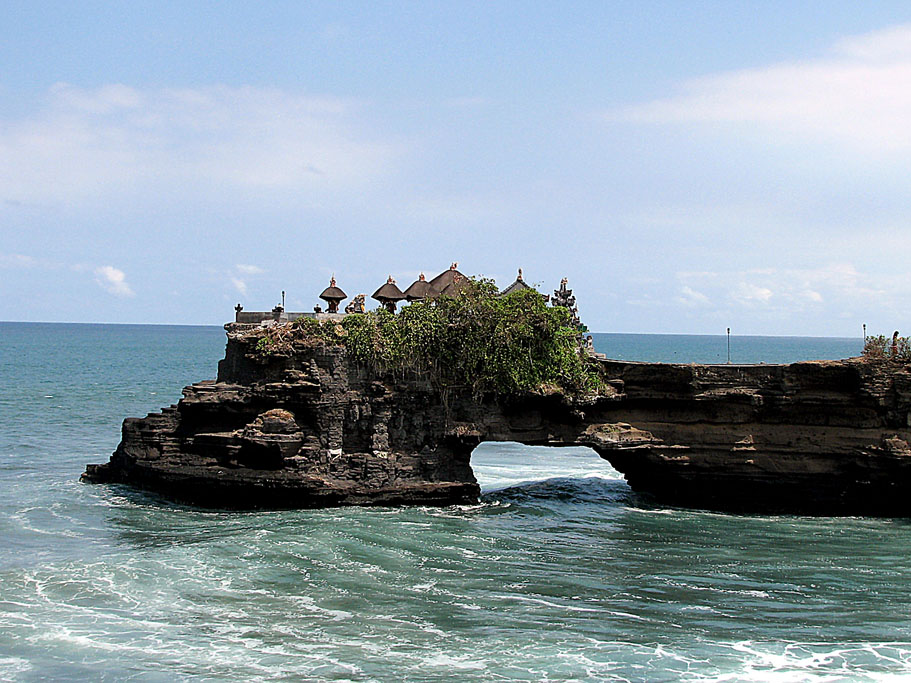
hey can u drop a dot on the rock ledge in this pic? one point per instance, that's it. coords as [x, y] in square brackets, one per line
[313, 429]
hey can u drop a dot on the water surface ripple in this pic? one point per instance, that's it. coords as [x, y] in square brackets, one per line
[560, 573]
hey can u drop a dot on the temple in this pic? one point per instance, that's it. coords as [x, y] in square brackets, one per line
[332, 295]
[389, 295]
[314, 425]
[448, 283]
[517, 286]
[420, 290]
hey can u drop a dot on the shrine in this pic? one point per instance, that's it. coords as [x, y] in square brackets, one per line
[389, 295]
[332, 295]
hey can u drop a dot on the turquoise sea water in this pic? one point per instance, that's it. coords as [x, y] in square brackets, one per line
[561, 573]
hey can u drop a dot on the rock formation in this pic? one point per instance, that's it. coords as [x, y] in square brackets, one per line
[311, 428]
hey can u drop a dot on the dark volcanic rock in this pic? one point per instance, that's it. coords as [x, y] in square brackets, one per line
[313, 429]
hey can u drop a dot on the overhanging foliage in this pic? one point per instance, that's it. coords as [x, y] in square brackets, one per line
[880, 347]
[476, 339]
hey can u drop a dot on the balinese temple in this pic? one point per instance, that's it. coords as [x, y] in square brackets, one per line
[564, 297]
[332, 295]
[516, 286]
[389, 295]
[420, 289]
[449, 282]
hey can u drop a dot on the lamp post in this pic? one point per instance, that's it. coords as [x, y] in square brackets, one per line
[865, 333]
[729, 346]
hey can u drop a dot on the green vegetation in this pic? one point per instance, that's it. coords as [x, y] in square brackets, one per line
[476, 339]
[880, 347]
[264, 345]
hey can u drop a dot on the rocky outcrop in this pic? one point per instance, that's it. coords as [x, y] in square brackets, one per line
[310, 428]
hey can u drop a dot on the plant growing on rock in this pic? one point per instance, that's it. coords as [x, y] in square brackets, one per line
[476, 339]
[879, 347]
[264, 345]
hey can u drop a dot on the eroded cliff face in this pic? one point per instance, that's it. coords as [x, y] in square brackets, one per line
[313, 429]
[825, 437]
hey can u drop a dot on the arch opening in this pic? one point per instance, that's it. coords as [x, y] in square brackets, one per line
[499, 465]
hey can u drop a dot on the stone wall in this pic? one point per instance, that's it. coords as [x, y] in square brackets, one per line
[257, 317]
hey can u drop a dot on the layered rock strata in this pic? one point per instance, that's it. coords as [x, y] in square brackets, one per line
[311, 428]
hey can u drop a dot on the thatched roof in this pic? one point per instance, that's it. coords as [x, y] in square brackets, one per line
[420, 289]
[446, 278]
[459, 282]
[332, 293]
[389, 292]
[516, 286]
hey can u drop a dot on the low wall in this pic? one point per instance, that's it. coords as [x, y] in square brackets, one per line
[256, 317]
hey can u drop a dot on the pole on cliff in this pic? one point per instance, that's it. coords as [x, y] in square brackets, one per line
[729, 346]
[865, 333]
[283, 298]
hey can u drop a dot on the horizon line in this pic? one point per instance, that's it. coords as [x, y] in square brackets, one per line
[221, 325]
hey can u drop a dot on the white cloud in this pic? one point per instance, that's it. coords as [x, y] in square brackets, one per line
[884, 45]
[113, 280]
[788, 290]
[813, 296]
[247, 269]
[98, 142]
[858, 95]
[747, 293]
[17, 261]
[690, 297]
[103, 100]
[244, 271]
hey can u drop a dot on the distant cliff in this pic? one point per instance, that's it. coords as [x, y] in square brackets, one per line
[312, 427]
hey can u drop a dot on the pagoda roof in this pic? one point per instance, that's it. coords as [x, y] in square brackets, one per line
[459, 282]
[389, 292]
[446, 278]
[420, 289]
[517, 286]
[332, 293]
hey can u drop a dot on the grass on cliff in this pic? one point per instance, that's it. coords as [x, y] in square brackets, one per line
[476, 339]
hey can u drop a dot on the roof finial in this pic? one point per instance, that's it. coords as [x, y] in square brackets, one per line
[332, 281]
[455, 264]
[520, 275]
[421, 277]
[390, 281]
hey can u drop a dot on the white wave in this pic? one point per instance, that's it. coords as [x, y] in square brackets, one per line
[308, 603]
[822, 662]
[13, 666]
[467, 606]
[502, 465]
[462, 662]
[547, 603]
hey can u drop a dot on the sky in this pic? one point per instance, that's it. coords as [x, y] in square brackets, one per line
[689, 167]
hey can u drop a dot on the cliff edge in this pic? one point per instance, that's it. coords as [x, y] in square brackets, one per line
[312, 427]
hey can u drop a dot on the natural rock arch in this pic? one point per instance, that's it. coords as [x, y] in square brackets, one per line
[315, 429]
[508, 464]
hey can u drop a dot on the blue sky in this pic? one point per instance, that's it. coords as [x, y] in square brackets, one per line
[687, 166]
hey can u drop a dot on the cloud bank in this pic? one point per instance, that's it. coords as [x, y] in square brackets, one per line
[858, 95]
[105, 141]
[789, 291]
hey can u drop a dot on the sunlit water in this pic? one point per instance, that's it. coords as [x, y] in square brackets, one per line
[560, 573]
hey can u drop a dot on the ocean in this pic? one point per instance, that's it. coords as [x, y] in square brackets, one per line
[560, 573]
